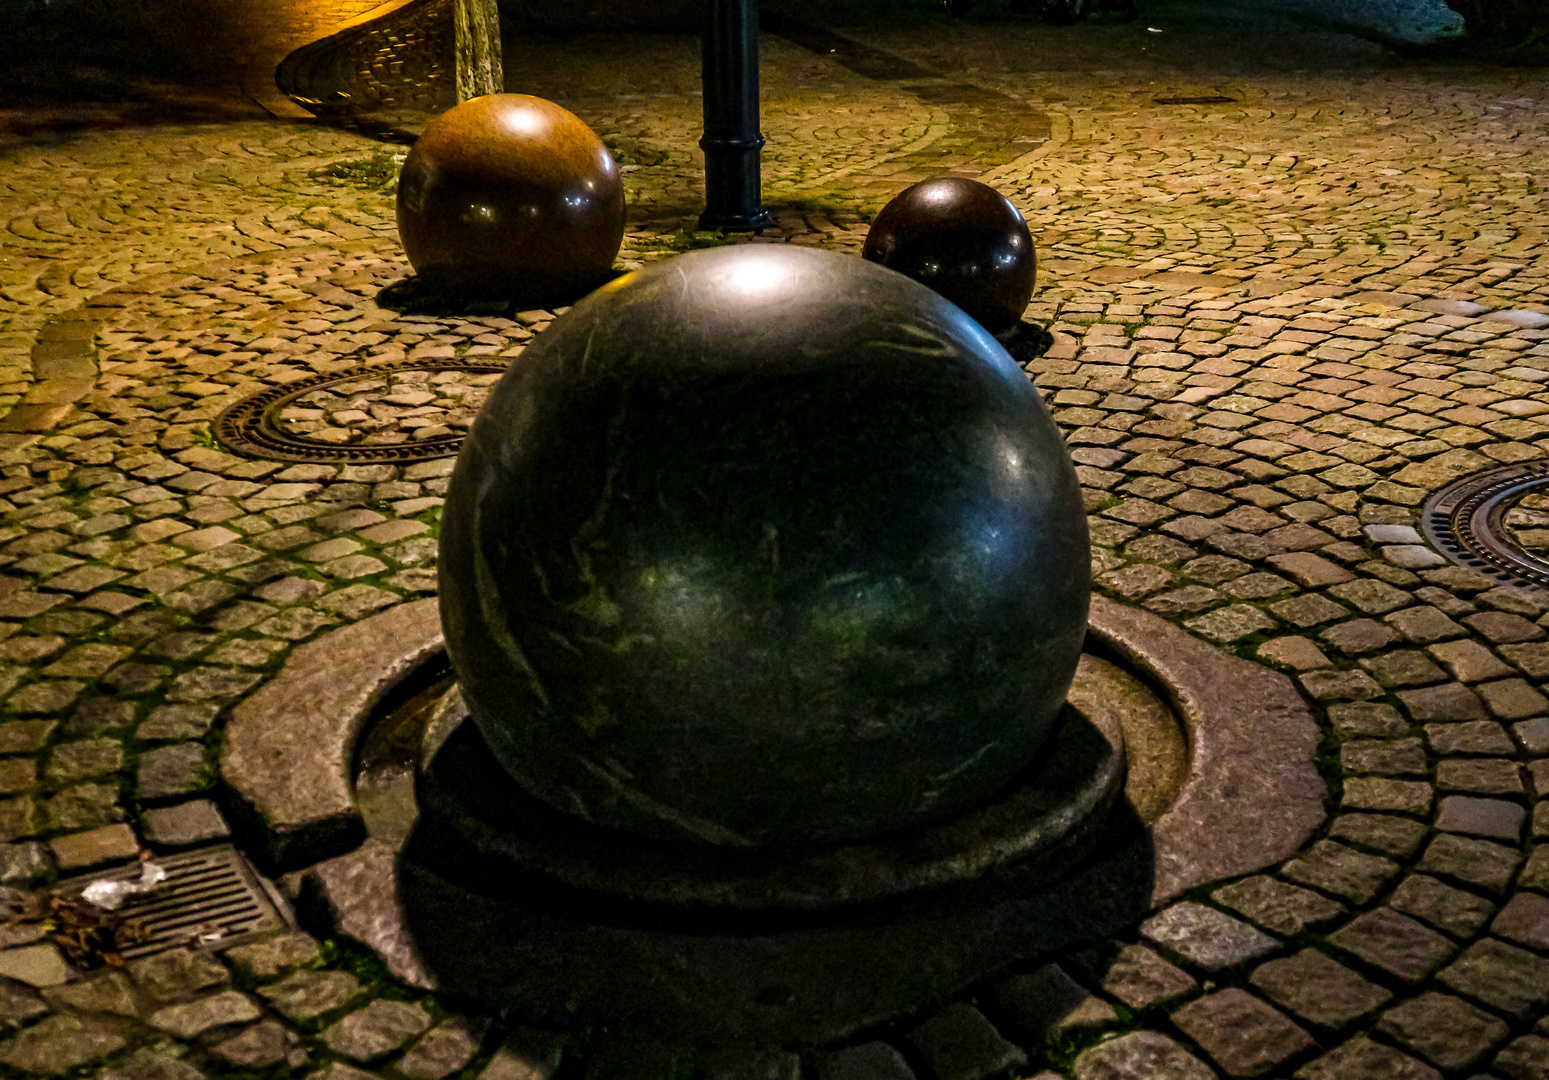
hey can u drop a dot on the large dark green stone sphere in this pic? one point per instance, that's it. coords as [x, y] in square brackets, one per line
[764, 546]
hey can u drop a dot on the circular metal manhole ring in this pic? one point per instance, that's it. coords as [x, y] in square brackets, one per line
[1465, 521]
[250, 427]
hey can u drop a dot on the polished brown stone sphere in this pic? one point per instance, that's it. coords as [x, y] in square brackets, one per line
[513, 196]
[965, 240]
[764, 546]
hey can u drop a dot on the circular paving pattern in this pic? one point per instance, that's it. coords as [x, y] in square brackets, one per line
[1496, 522]
[379, 413]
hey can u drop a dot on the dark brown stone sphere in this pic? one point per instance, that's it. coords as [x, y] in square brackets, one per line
[514, 196]
[965, 240]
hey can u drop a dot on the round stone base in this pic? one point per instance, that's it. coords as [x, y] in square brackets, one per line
[1033, 824]
[491, 923]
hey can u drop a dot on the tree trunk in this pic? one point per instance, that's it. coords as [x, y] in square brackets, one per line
[476, 24]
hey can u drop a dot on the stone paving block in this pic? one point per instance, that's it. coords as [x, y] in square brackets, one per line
[1446, 1031]
[1140, 1055]
[194, 1018]
[272, 956]
[1480, 863]
[1395, 944]
[1207, 937]
[1446, 702]
[1423, 625]
[1525, 920]
[1512, 699]
[1400, 796]
[1318, 990]
[1245, 1036]
[261, 1046]
[959, 1043]
[442, 1050]
[1047, 1005]
[1281, 908]
[1533, 735]
[1505, 978]
[1526, 1058]
[1367, 718]
[1496, 819]
[1535, 874]
[1532, 659]
[1387, 834]
[1488, 776]
[1137, 976]
[1503, 628]
[1456, 911]
[105, 993]
[1393, 757]
[1467, 661]
[377, 1030]
[306, 995]
[1295, 652]
[110, 843]
[168, 771]
[868, 1061]
[1340, 685]
[178, 973]
[58, 1044]
[184, 824]
[1482, 737]
[1363, 1059]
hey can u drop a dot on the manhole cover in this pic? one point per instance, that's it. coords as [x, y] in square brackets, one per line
[1496, 522]
[411, 411]
[209, 895]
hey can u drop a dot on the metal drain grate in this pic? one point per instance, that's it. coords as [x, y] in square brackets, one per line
[252, 426]
[209, 892]
[1468, 521]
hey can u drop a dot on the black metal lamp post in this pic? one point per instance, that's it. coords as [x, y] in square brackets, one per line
[732, 140]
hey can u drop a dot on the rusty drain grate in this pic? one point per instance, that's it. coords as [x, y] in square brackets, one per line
[253, 426]
[207, 892]
[1480, 522]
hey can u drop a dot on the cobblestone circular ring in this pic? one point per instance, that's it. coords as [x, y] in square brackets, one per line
[256, 426]
[1495, 522]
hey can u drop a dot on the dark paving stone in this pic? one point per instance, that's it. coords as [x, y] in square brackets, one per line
[151, 1063]
[309, 994]
[1475, 737]
[1535, 875]
[178, 973]
[1368, 719]
[1525, 920]
[1457, 911]
[1318, 989]
[375, 1031]
[1446, 1031]
[1207, 937]
[1279, 907]
[1396, 944]
[1495, 819]
[869, 1061]
[105, 993]
[1373, 718]
[1525, 1059]
[193, 1018]
[1485, 776]
[167, 771]
[258, 1047]
[1504, 977]
[1390, 835]
[194, 822]
[1362, 1059]
[1245, 1036]
[960, 1043]
[18, 1004]
[1381, 793]
[1047, 1005]
[58, 1044]
[267, 959]
[1447, 702]
[442, 1050]
[1136, 976]
[1386, 757]
[1345, 872]
[1487, 865]
[1140, 1055]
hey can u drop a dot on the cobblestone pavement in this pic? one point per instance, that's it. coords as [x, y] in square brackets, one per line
[1280, 322]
